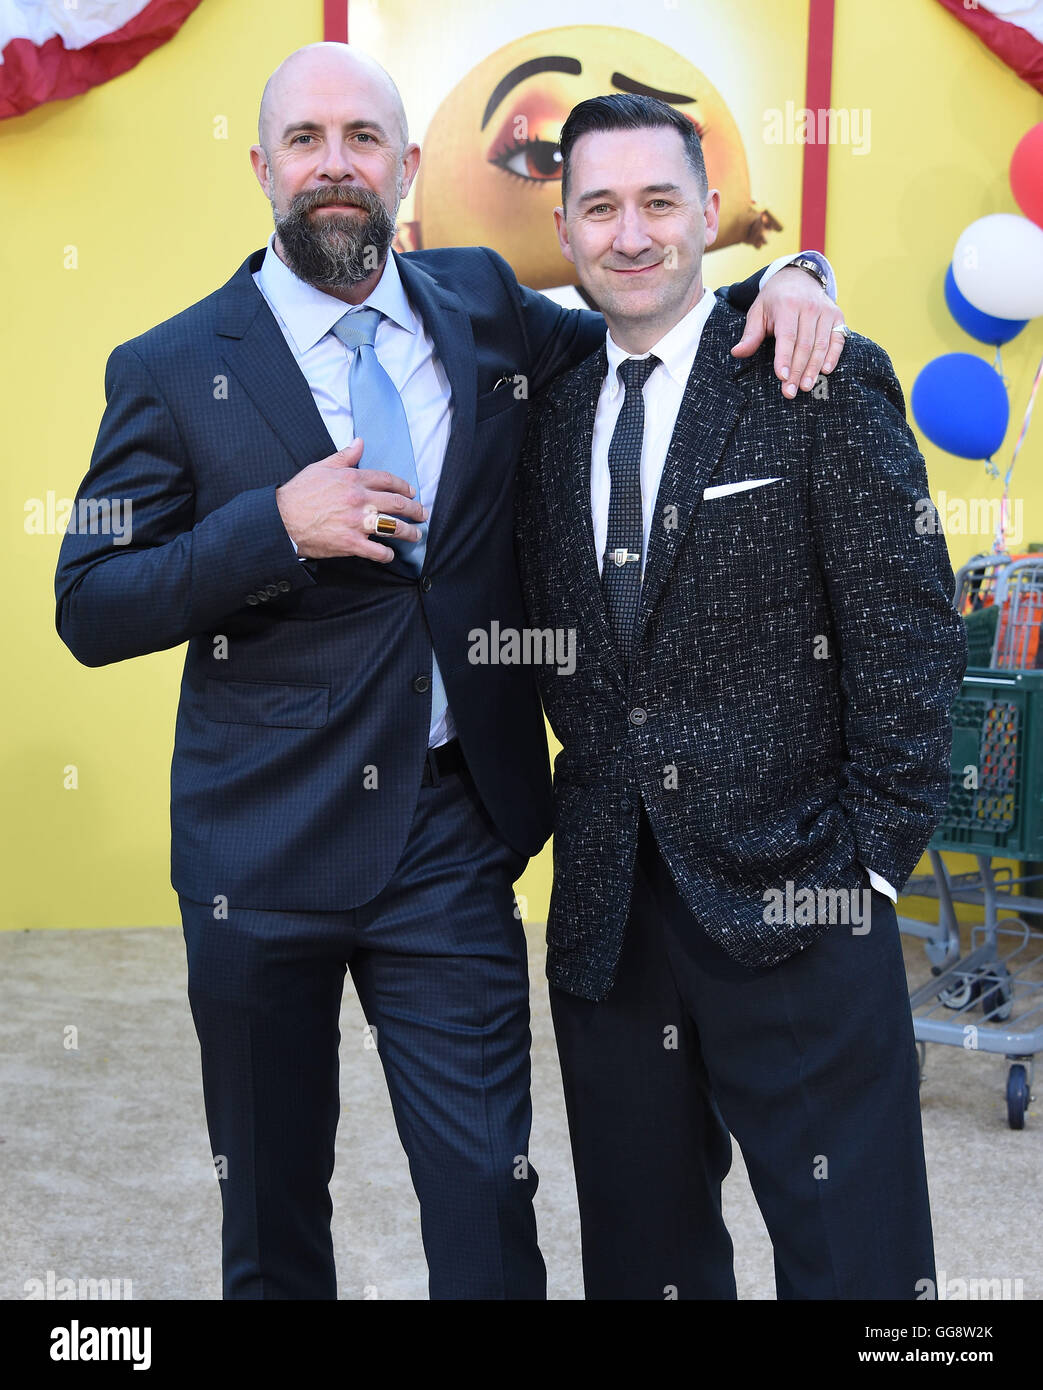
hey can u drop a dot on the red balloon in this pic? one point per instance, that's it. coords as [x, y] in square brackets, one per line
[1026, 173]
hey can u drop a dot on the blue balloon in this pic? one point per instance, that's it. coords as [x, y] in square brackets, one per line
[961, 405]
[985, 327]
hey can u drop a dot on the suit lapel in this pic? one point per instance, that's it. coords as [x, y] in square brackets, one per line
[710, 406]
[577, 408]
[449, 325]
[254, 347]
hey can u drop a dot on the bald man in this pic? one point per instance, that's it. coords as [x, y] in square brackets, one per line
[319, 460]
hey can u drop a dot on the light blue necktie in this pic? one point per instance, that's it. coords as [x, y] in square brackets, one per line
[380, 420]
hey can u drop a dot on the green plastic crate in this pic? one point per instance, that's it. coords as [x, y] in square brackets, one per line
[997, 730]
[980, 626]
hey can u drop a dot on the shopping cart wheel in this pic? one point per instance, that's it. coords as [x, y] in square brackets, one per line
[997, 1005]
[1017, 1096]
[962, 993]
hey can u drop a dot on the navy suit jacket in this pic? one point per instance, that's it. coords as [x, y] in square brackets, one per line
[303, 720]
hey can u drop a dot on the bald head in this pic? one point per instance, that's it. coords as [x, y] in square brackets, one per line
[335, 161]
[322, 72]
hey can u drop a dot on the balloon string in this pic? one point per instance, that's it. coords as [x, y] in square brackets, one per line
[1025, 422]
[1000, 543]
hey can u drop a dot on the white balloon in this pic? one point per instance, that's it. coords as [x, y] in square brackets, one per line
[998, 266]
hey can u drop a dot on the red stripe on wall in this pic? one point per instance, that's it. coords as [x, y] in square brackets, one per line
[335, 21]
[818, 90]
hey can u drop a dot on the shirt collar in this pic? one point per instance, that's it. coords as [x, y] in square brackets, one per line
[309, 314]
[676, 350]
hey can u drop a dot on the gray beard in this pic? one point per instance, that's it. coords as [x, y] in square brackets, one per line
[334, 252]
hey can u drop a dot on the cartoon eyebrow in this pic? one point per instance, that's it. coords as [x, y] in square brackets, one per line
[628, 84]
[524, 70]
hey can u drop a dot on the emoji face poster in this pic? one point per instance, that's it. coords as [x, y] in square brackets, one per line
[487, 89]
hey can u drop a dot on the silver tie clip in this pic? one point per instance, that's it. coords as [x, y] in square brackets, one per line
[622, 555]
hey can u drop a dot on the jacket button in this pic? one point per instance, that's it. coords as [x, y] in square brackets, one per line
[422, 684]
[262, 594]
[252, 599]
[284, 586]
[425, 584]
[638, 715]
[272, 590]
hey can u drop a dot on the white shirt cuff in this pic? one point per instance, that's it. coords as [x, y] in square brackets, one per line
[816, 256]
[303, 558]
[881, 884]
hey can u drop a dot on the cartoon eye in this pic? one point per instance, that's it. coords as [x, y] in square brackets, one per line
[535, 160]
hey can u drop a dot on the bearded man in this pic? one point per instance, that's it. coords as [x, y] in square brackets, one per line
[319, 459]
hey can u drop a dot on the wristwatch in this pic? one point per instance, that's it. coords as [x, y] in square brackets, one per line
[806, 263]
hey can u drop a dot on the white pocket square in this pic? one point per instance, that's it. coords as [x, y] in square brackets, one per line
[722, 489]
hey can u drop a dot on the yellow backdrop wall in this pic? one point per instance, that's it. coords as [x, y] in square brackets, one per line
[126, 204]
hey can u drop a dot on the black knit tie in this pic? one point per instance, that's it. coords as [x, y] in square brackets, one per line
[621, 568]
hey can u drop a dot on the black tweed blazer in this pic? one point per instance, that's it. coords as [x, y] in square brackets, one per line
[785, 718]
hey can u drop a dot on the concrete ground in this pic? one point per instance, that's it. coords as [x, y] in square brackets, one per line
[105, 1168]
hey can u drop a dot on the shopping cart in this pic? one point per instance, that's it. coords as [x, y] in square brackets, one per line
[991, 998]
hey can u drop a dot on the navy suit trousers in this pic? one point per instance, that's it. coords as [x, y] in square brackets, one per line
[810, 1065]
[438, 958]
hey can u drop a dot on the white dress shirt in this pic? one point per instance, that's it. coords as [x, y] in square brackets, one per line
[404, 349]
[663, 391]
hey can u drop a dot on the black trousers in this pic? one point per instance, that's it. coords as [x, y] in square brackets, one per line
[438, 958]
[810, 1065]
